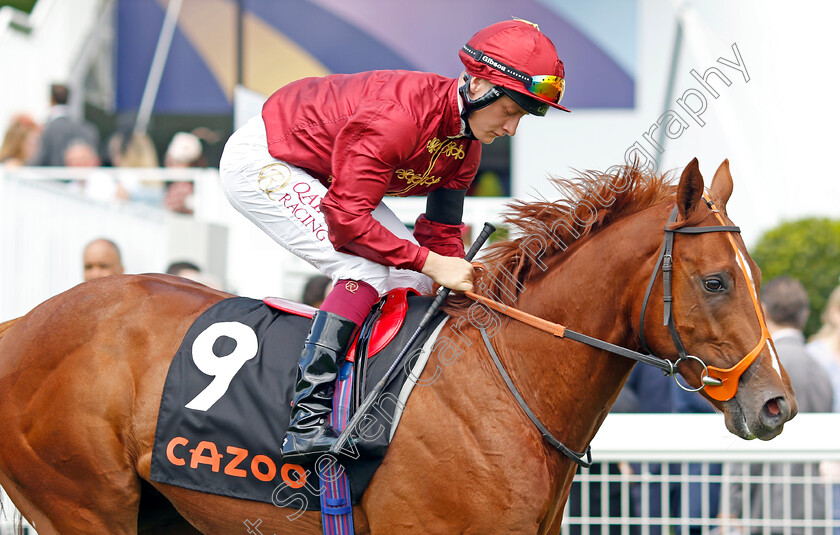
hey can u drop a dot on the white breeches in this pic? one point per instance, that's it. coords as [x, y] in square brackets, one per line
[284, 201]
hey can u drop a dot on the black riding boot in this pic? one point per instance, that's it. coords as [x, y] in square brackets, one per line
[309, 435]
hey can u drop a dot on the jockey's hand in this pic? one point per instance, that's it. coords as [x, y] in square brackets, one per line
[449, 271]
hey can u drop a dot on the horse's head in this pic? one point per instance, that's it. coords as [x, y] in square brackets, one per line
[717, 334]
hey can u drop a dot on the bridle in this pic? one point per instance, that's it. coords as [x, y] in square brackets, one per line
[720, 384]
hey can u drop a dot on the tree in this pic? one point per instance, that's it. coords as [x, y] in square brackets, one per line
[22, 5]
[808, 250]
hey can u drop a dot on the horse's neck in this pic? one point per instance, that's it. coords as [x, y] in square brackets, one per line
[569, 385]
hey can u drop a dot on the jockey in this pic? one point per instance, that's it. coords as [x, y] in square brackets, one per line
[312, 171]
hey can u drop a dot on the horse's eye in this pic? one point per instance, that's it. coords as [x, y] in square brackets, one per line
[714, 285]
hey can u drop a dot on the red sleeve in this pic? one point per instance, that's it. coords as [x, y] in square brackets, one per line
[444, 239]
[367, 150]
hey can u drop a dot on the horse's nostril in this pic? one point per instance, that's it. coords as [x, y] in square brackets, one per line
[771, 418]
[775, 412]
[773, 407]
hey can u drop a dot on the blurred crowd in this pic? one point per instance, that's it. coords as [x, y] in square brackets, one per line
[112, 168]
[63, 140]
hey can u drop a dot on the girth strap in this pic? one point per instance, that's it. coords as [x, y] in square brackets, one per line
[583, 459]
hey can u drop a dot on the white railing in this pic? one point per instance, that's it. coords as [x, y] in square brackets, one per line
[45, 224]
[680, 473]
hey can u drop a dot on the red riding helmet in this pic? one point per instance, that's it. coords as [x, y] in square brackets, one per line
[522, 63]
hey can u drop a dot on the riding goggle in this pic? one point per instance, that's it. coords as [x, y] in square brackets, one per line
[548, 87]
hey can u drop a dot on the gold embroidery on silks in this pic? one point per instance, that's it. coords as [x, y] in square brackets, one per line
[451, 148]
[413, 179]
[434, 144]
[436, 147]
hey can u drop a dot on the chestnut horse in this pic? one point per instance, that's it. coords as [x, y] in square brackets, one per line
[81, 375]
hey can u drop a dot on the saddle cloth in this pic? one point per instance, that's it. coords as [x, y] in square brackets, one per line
[227, 398]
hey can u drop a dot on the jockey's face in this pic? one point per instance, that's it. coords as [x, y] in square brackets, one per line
[501, 118]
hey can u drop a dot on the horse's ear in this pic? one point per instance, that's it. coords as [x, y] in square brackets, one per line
[690, 190]
[721, 188]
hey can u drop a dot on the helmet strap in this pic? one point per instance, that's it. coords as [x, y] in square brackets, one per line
[470, 105]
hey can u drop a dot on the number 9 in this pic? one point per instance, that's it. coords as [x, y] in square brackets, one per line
[222, 369]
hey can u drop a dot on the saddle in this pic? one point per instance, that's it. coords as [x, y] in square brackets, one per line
[227, 398]
[379, 329]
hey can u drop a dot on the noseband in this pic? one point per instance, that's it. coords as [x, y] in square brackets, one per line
[720, 384]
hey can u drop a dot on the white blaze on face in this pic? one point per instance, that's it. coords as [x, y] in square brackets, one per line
[775, 361]
[746, 267]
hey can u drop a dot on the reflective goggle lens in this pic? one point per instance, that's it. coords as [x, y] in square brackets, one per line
[548, 87]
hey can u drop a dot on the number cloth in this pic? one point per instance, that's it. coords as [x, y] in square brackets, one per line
[227, 398]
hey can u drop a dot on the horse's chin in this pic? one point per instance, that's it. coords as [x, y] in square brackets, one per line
[750, 425]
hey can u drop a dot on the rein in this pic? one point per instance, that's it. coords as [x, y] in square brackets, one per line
[722, 386]
[561, 331]
[583, 459]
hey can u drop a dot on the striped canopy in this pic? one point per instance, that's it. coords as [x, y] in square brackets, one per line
[284, 40]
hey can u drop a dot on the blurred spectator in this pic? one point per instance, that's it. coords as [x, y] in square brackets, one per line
[825, 347]
[80, 153]
[98, 184]
[316, 290]
[189, 270]
[20, 141]
[132, 149]
[60, 130]
[102, 258]
[184, 151]
[785, 305]
[183, 268]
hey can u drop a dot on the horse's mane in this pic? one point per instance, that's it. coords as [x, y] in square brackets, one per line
[589, 202]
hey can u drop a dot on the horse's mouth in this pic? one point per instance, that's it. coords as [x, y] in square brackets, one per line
[736, 422]
[764, 424]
